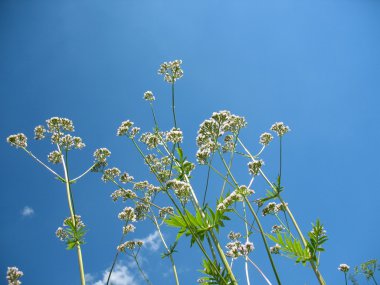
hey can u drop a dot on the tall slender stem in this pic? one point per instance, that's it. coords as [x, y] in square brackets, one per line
[173, 106]
[72, 212]
[167, 249]
[264, 240]
[247, 240]
[312, 263]
[43, 164]
[256, 219]
[258, 269]
[140, 269]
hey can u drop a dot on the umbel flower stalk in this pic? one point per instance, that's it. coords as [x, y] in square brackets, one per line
[57, 127]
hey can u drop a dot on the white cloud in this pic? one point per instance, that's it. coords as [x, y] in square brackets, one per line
[89, 277]
[27, 211]
[152, 241]
[120, 276]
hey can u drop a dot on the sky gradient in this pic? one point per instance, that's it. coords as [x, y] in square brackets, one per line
[313, 64]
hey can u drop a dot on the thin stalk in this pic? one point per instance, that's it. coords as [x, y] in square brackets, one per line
[374, 280]
[315, 269]
[257, 221]
[258, 269]
[116, 256]
[83, 174]
[173, 106]
[167, 248]
[345, 277]
[207, 181]
[247, 240]
[72, 212]
[264, 240]
[140, 269]
[43, 164]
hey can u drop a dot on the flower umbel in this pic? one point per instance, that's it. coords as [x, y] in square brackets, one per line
[171, 70]
[13, 276]
[18, 140]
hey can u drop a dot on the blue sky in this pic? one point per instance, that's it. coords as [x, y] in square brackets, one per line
[313, 64]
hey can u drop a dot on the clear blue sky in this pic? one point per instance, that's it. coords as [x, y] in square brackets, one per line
[313, 64]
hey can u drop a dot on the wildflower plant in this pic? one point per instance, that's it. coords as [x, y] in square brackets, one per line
[168, 198]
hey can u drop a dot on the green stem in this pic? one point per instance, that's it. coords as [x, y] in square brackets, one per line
[258, 269]
[116, 256]
[247, 240]
[257, 221]
[374, 280]
[43, 164]
[167, 249]
[345, 277]
[173, 106]
[315, 269]
[264, 240]
[83, 174]
[72, 212]
[141, 271]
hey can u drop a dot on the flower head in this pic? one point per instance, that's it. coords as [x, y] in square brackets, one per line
[39, 132]
[18, 140]
[148, 96]
[280, 128]
[255, 166]
[266, 138]
[343, 267]
[171, 70]
[13, 276]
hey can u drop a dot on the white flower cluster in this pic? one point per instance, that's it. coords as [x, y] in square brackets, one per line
[272, 208]
[110, 174]
[343, 267]
[126, 128]
[128, 214]
[131, 245]
[152, 140]
[158, 166]
[174, 136]
[141, 185]
[55, 157]
[148, 96]
[266, 138]
[236, 248]
[124, 194]
[212, 129]
[236, 195]
[277, 229]
[163, 212]
[18, 140]
[275, 249]
[100, 155]
[128, 229]
[13, 276]
[171, 70]
[181, 189]
[280, 128]
[126, 178]
[39, 132]
[255, 166]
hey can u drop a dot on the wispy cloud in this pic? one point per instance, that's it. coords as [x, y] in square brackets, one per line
[120, 276]
[27, 211]
[152, 241]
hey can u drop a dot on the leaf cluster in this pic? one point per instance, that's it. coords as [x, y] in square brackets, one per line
[197, 225]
